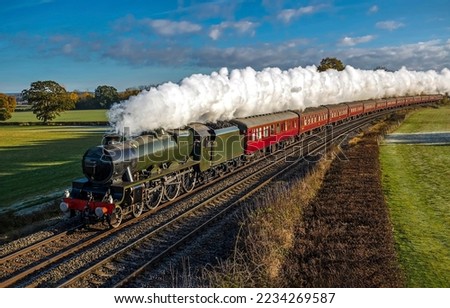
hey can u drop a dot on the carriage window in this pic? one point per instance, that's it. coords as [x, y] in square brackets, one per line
[272, 129]
[259, 133]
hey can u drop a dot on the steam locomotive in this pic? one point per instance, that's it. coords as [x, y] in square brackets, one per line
[126, 175]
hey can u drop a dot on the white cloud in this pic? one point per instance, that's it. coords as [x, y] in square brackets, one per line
[287, 15]
[389, 25]
[373, 9]
[242, 27]
[215, 32]
[164, 27]
[433, 54]
[167, 27]
[352, 41]
[419, 56]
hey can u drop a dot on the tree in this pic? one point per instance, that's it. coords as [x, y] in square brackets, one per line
[331, 63]
[382, 68]
[48, 99]
[123, 96]
[86, 100]
[106, 96]
[7, 106]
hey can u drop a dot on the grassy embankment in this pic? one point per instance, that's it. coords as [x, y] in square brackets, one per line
[417, 189]
[267, 233]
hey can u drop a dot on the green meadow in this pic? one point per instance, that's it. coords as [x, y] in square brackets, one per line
[427, 120]
[416, 182]
[38, 160]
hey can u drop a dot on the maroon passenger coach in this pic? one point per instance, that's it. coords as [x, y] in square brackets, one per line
[264, 131]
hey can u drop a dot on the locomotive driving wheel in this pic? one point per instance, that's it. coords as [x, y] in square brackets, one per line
[153, 196]
[220, 170]
[137, 209]
[231, 166]
[172, 186]
[115, 218]
[189, 180]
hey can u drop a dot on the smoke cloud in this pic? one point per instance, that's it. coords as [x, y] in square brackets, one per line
[224, 95]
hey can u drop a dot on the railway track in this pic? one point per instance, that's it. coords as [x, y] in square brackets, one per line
[20, 268]
[153, 248]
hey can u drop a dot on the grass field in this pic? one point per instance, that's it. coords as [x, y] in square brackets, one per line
[427, 120]
[98, 115]
[417, 189]
[37, 160]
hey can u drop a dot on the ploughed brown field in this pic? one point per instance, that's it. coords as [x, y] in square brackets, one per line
[345, 237]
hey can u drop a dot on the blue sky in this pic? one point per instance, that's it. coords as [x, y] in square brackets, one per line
[83, 44]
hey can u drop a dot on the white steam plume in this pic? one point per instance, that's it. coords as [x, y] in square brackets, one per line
[244, 92]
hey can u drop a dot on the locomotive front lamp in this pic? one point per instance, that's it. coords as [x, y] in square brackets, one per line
[64, 207]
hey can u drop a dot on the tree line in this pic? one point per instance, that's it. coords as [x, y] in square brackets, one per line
[48, 98]
[7, 106]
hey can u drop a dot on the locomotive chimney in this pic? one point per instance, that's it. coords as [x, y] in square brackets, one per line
[126, 133]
